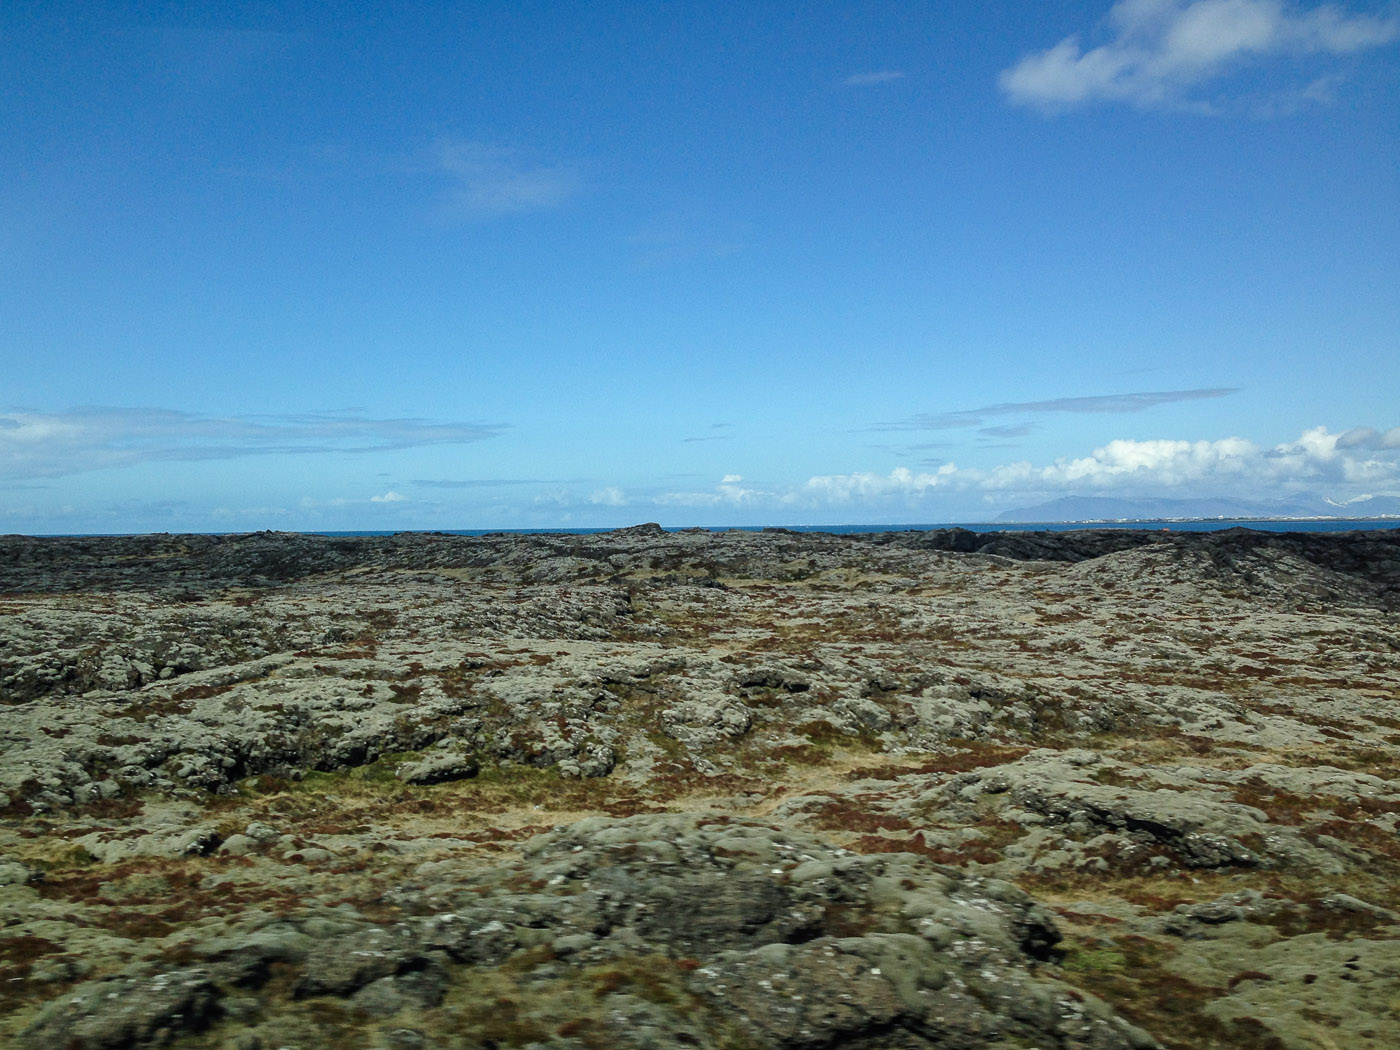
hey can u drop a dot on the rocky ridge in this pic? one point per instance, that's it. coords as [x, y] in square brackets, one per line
[776, 789]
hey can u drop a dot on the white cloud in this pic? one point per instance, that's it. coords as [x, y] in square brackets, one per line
[1159, 463]
[611, 496]
[1337, 463]
[56, 444]
[730, 491]
[1160, 49]
[315, 503]
[1335, 466]
[842, 488]
[490, 181]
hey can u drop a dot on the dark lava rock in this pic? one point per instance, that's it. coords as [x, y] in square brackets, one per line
[1366, 560]
[123, 1012]
[183, 565]
[676, 929]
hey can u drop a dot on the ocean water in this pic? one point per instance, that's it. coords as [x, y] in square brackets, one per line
[1207, 525]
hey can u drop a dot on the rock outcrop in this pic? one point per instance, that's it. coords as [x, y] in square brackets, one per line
[752, 789]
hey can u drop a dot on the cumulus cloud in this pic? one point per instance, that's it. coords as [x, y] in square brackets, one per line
[1158, 50]
[488, 181]
[843, 488]
[610, 496]
[1339, 467]
[1158, 464]
[730, 491]
[1318, 458]
[883, 76]
[56, 444]
[389, 497]
[1097, 404]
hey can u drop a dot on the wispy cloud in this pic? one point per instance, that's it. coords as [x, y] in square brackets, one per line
[717, 432]
[487, 181]
[883, 76]
[478, 483]
[1159, 50]
[55, 444]
[1099, 404]
[1008, 430]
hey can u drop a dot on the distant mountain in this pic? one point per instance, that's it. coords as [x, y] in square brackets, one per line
[1108, 508]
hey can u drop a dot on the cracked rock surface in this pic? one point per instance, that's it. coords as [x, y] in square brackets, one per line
[1097, 789]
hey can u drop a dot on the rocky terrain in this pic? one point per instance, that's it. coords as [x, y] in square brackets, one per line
[1103, 789]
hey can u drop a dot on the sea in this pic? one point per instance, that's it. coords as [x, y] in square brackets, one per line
[1165, 524]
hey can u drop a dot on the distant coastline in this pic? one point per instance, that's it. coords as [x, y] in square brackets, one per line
[1377, 521]
[1190, 524]
[1268, 524]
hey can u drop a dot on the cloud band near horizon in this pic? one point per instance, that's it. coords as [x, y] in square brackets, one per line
[1358, 462]
[1343, 465]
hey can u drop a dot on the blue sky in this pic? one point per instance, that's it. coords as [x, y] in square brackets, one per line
[530, 264]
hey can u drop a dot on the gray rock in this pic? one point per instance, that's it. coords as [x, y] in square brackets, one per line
[239, 845]
[173, 842]
[439, 768]
[262, 833]
[344, 965]
[13, 873]
[122, 1012]
[701, 723]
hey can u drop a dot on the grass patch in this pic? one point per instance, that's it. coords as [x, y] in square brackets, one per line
[1132, 976]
